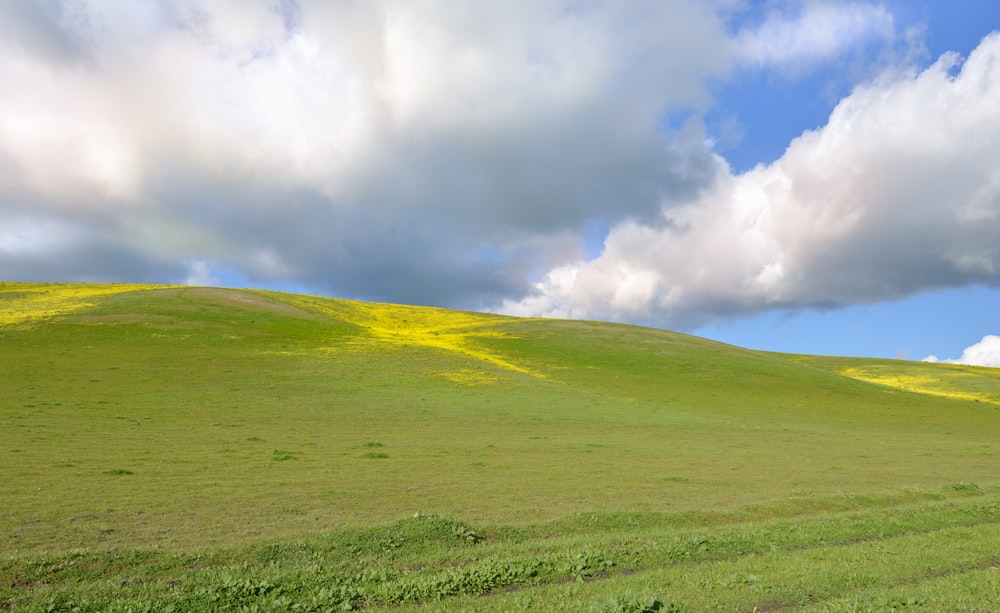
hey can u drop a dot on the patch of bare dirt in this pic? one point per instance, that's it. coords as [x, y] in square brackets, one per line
[250, 299]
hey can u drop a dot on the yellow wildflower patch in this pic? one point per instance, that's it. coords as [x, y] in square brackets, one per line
[947, 383]
[23, 304]
[393, 324]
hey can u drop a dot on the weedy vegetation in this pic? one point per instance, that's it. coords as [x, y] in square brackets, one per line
[198, 449]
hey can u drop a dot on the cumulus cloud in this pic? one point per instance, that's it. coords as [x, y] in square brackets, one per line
[984, 353]
[412, 151]
[898, 193]
[199, 273]
[814, 31]
[455, 154]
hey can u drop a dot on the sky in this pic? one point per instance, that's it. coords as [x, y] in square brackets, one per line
[805, 176]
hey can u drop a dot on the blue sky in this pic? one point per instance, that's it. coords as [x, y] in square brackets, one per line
[809, 176]
[942, 322]
[939, 26]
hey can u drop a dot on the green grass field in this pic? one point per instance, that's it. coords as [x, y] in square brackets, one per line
[196, 449]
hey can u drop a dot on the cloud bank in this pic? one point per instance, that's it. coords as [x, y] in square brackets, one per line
[457, 154]
[984, 353]
[412, 151]
[897, 194]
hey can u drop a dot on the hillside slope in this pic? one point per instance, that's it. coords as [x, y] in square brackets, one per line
[977, 383]
[179, 417]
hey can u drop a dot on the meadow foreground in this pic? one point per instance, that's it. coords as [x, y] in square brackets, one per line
[208, 449]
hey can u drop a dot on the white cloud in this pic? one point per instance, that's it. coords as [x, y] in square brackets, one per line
[816, 31]
[452, 153]
[370, 149]
[984, 353]
[200, 274]
[898, 193]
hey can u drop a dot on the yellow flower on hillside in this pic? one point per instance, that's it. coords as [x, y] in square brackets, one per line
[941, 382]
[23, 304]
[447, 330]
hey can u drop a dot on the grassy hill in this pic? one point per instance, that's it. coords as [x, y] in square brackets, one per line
[215, 449]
